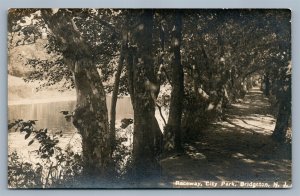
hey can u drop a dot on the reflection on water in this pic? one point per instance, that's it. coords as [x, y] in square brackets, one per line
[49, 116]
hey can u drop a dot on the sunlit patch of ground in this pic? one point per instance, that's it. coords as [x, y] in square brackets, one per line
[239, 148]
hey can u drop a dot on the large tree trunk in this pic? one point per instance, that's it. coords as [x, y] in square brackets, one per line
[143, 88]
[284, 112]
[91, 119]
[282, 122]
[90, 116]
[172, 135]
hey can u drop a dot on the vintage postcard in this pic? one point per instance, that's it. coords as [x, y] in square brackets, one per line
[149, 98]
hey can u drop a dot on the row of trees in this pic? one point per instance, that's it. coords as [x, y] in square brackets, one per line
[206, 56]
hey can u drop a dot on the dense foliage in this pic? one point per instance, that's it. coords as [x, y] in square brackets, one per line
[208, 59]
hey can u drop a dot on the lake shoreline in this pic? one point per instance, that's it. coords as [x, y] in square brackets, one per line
[42, 100]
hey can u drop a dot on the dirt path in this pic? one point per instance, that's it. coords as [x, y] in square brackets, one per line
[236, 149]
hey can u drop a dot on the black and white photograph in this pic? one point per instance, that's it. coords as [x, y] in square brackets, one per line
[149, 98]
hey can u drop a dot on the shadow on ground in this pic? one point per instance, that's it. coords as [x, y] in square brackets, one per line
[236, 149]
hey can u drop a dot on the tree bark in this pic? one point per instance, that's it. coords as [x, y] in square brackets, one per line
[172, 135]
[282, 122]
[284, 112]
[144, 89]
[91, 120]
[90, 116]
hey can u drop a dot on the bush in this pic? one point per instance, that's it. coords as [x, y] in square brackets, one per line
[55, 167]
[60, 168]
[23, 174]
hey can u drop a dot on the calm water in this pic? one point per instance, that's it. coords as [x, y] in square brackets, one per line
[49, 116]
